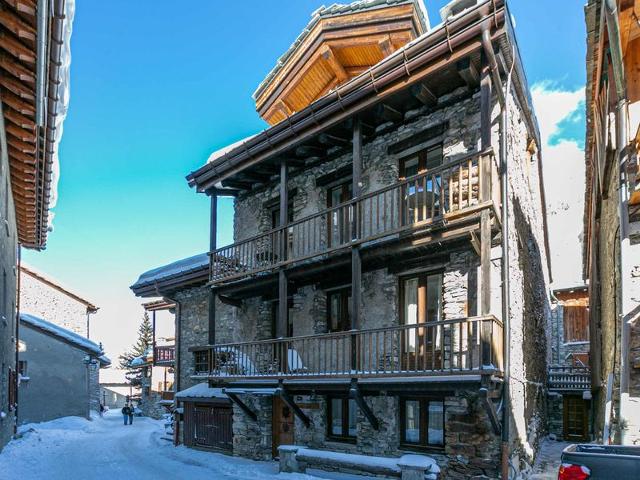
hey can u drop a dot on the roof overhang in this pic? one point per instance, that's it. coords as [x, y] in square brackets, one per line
[34, 58]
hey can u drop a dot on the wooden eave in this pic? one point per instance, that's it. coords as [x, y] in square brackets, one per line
[337, 49]
[30, 146]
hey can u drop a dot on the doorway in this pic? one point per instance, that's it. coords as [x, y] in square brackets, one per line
[283, 425]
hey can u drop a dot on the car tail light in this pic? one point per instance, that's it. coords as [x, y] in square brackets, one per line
[573, 472]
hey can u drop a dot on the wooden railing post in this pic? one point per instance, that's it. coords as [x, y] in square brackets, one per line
[356, 263]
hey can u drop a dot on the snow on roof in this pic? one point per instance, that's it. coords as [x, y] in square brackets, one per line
[201, 390]
[64, 334]
[142, 360]
[224, 150]
[179, 267]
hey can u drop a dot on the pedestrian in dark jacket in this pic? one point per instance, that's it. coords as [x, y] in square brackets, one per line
[131, 412]
[126, 413]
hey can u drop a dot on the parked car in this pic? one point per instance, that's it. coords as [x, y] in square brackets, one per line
[596, 462]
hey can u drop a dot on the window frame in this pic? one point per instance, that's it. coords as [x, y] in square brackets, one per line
[345, 299]
[570, 330]
[423, 424]
[344, 437]
[422, 160]
[199, 363]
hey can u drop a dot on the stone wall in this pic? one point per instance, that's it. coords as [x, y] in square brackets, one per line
[39, 298]
[8, 260]
[192, 330]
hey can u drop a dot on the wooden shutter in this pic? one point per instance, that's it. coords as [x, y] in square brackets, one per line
[576, 324]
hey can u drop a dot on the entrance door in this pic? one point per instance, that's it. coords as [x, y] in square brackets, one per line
[283, 425]
[208, 426]
[575, 423]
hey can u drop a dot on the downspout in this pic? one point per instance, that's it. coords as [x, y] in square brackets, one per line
[610, 8]
[176, 370]
[497, 81]
[43, 32]
[17, 337]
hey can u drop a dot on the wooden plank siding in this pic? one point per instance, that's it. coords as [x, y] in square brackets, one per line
[576, 324]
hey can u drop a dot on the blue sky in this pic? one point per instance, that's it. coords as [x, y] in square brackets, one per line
[155, 89]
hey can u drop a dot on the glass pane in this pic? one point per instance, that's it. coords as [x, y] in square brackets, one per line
[435, 433]
[412, 421]
[434, 157]
[411, 311]
[410, 167]
[353, 412]
[336, 416]
[434, 297]
[334, 310]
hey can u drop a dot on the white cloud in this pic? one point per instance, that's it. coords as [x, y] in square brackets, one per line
[564, 179]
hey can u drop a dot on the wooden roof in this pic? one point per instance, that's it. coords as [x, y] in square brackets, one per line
[30, 99]
[339, 43]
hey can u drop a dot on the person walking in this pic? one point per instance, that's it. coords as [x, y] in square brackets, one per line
[131, 412]
[126, 413]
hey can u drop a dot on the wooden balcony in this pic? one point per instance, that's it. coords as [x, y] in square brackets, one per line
[440, 195]
[164, 356]
[562, 378]
[448, 347]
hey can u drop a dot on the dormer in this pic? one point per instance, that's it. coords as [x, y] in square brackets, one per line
[339, 43]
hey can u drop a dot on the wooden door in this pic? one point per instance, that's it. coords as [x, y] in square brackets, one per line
[208, 426]
[283, 425]
[575, 418]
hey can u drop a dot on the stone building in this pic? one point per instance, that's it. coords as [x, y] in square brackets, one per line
[58, 370]
[45, 297]
[611, 256]
[34, 89]
[569, 379]
[360, 306]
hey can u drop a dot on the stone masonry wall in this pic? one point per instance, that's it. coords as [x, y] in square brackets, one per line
[8, 260]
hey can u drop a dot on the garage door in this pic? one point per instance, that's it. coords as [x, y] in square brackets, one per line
[208, 426]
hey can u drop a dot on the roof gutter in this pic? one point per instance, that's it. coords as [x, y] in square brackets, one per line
[41, 67]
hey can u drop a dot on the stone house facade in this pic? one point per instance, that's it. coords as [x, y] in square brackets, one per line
[360, 307]
[45, 297]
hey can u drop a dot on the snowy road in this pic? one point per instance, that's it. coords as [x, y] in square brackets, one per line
[73, 448]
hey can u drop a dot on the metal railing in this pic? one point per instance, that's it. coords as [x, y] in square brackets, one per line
[164, 355]
[442, 347]
[442, 192]
[569, 378]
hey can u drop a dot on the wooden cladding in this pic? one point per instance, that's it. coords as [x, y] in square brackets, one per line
[164, 355]
[441, 193]
[208, 426]
[576, 324]
[457, 346]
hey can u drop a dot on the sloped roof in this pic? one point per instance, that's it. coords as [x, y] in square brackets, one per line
[201, 390]
[173, 271]
[66, 335]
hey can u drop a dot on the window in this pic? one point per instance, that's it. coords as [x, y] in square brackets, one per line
[339, 310]
[342, 420]
[421, 303]
[421, 198]
[201, 361]
[576, 323]
[13, 397]
[422, 422]
[340, 219]
[22, 368]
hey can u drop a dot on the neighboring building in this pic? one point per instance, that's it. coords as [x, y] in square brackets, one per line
[34, 88]
[158, 366]
[612, 215]
[59, 372]
[115, 395]
[569, 379]
[42, 296]
[360, 307]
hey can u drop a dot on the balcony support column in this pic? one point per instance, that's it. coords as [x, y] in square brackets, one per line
[153, 341]
[213, 232]
[484, 167]
[356, 262]
[283, 303]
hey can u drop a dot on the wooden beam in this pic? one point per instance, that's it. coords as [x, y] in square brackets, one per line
[24, 147]
[330, 59]
[239, 185]
[20, 120]
[333, 140]
[15, 25]
[286, 398]
[468, 71]
[16, 69]
[388, 113]
[243, 406]
[18, 104]
[356, 260]
[234, 302]
[491, 410]
[213, 242]
[356, 395]
[386, 47]
[20, 89]
[309, 151]
[421, 92]
[19, 133]
[475, 243]
[9, 43]
[28, 7]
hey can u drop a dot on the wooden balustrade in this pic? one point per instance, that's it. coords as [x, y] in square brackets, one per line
[448, 190]
[569, 378]
[442, 347]
[164, 355]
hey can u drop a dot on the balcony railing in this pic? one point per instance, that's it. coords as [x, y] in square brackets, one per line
[164, 355]
[569, 378]
[441, 193]
[443, 347]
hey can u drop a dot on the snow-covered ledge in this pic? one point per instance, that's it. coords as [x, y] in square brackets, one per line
[296, 459]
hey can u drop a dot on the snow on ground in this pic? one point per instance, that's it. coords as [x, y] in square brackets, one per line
[73, 448]
[548, 460]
